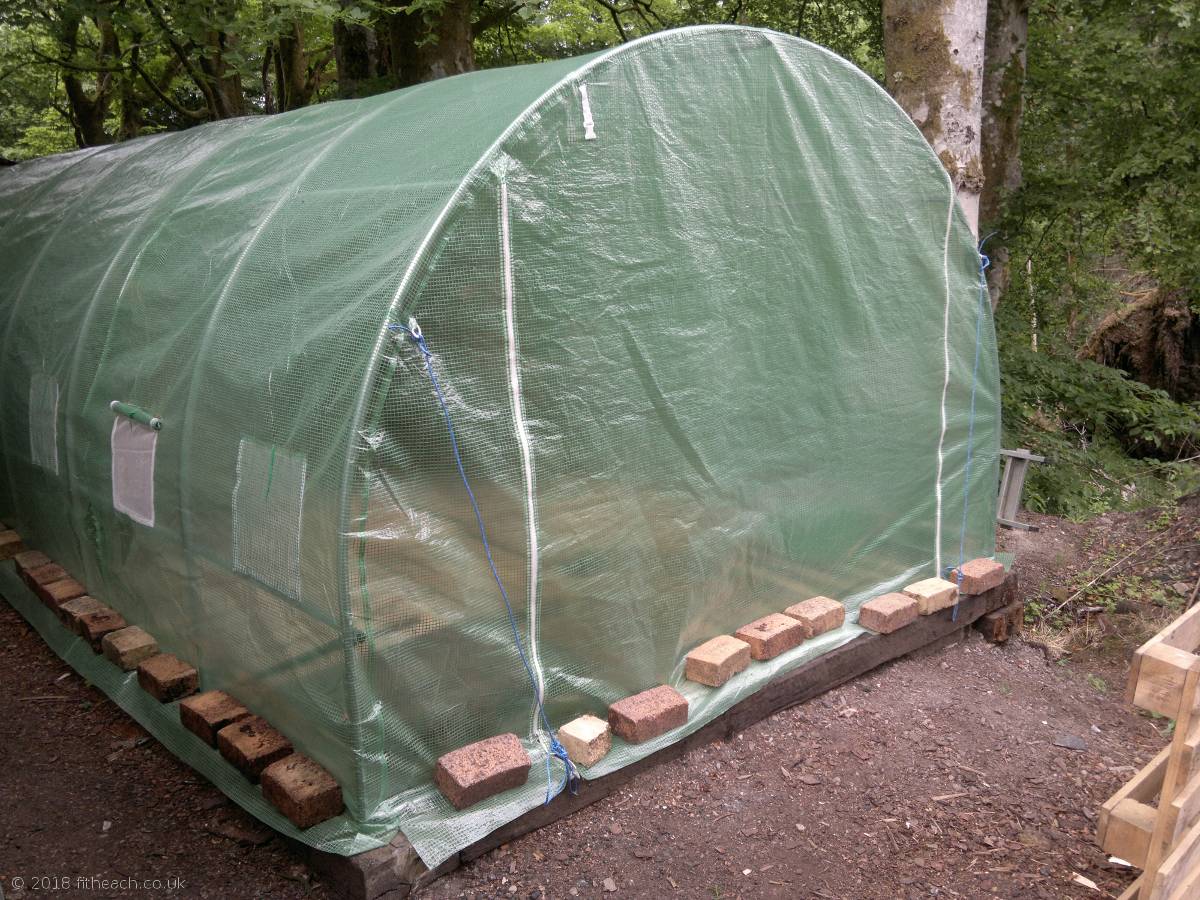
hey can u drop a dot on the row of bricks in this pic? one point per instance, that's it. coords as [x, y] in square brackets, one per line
[296, 785]
[473, 773]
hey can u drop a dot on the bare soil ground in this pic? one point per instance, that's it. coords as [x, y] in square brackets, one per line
[973, 771]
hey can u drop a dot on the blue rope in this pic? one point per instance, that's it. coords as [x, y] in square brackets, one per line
[570, 773]
[984, 262]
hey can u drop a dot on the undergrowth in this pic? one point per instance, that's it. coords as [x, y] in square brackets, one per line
[1110, 442]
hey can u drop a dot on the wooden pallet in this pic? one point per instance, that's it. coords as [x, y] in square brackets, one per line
[1153, 822]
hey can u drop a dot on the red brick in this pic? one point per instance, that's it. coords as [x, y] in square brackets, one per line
[59, 592]
[31, 559]
[93, 626]
[648, 714]
[481, 770]
[771, 635]
[252, 745]
[818, 615]
[206, 714]
[166, 677]
[43, 575]
[128, 647]
[716, 661]
[302, 790]
[888, 613]
[71, 610]
[979, 576]
[10, 544]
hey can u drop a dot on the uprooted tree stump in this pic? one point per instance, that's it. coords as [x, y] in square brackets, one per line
[1156, 339]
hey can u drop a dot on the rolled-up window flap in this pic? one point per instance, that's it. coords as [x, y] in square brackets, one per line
[136, 413]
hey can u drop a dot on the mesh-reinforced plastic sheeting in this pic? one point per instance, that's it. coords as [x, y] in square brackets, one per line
[704, 311]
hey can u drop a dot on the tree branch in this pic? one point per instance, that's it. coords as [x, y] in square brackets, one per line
[198, 115]
[199, 78]
[493, 17]
[615, 14]
[74, 66]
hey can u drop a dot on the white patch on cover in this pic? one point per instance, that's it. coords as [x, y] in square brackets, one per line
[268, 502]
[514, 384]
[133, 448]
[43, 422]
[937, 492]
[589, 124]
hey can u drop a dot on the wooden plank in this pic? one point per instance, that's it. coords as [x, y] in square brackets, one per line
[1144, 788]
[1145, 785]
[1177, 870]
[1190, 889]
[1185, 810]
[1184, 632]
[1161, 678]
[396, 870]
[1128, 831]
[1172, 780]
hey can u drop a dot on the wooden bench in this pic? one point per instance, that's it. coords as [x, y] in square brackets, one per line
[1012, 485]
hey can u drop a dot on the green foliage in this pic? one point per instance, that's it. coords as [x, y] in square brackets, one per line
[1118, 592]
[1112, 136]
[1101, 431]
[30, 123]
[554, 29]
[1109, 208]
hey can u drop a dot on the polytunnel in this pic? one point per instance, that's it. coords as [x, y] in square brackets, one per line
[704, 328]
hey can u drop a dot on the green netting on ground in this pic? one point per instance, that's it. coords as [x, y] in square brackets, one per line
[704, 311]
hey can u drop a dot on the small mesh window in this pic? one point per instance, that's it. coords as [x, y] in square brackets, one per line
[133, 447]
[268, 498]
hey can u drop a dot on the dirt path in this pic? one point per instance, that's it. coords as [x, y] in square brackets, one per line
[935, 776]
[88, 794]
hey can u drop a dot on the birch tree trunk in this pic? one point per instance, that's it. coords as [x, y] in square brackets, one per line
[1003, 106]
[933, 53]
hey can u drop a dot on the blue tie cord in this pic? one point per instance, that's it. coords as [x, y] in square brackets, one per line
[570, 779]
[984, 262]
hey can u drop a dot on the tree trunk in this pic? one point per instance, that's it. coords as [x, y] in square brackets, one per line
[1003, 106]
[294, 89]
[88, 111]
[132, 118]
[422, 49]
[356, 55]
[933, 53]
[224, 83]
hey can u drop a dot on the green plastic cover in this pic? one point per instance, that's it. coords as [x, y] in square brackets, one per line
[707, 321]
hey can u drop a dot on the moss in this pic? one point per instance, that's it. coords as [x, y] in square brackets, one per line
[950, 163]
[922, 69]
[919, 58]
